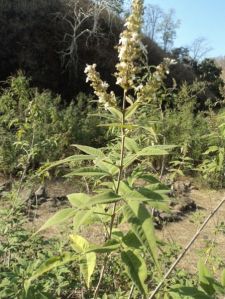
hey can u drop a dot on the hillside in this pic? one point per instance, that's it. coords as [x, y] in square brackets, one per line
[112, 158]
[35, 37]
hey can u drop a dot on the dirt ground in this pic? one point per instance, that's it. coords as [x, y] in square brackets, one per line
[183, 231]
[180, 232]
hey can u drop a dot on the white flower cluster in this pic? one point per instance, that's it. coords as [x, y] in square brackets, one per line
[100, 87]
[148, 91]
[130, 48]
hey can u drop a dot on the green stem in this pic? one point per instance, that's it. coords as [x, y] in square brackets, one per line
[123, 136]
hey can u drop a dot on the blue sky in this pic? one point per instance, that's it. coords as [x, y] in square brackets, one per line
[199, 18]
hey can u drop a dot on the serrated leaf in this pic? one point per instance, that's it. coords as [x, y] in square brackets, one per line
[79, 244]
[78, 199]
[87, 260]
[109, 246]
[101, 198]
[155, 200]
[152, 151]
[58, 218]
[129, 159]
[131, 145]
[87, 171]
[82, 217]
[131, 240]
[71, 159]
[136, 269]
[116, 113]
[142, 225]
[90, 150]
[107, 166]
[131, 110]
[119, 125]
[124, 188]
[87, 266]
[147, 177]
[158, 188]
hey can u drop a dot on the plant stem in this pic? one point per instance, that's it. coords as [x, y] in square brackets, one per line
[182, 254]
[101, 276]
[123, 135]
[163, 161]
[131, 292]
[26, 166]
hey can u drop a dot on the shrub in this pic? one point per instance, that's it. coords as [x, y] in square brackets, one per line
[35, 127]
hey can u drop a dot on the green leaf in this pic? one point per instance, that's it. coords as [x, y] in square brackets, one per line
[124, 188]
[49, 265]
[116, 113]
[155, 200]
[78, 199]
[82, 217]
[102, 198]
[87, 171]
[136, 269]
[119, 125]
[147, 177]
[79, 244]
[142, 225]
[82, 200]
[131, 145]
[131, 240]
[211, 149]
[158, 188]
[107, 166]
[65, 161]
[152, 151]
[58, 218]
[215, 285]
[109, 246]
[87, 260]
[87, 266]
[204, 274]
[190, 292]
[129, 159]
[90, 150]
[223, 278]
[131, 110]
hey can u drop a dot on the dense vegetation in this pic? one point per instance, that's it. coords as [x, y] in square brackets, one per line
[150, 127]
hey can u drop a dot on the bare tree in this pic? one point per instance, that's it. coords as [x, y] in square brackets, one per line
[161, 26]
[115, 6]
[168, 29]
[199, 48]
[153, 18]
[83, 20]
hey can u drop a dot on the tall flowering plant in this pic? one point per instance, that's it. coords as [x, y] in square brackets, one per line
[117, 197]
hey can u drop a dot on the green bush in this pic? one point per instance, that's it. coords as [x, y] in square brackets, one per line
[212, 166]
[21, 253]
[35, 127]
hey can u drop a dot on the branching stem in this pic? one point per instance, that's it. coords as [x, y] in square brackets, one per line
[121, 166]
